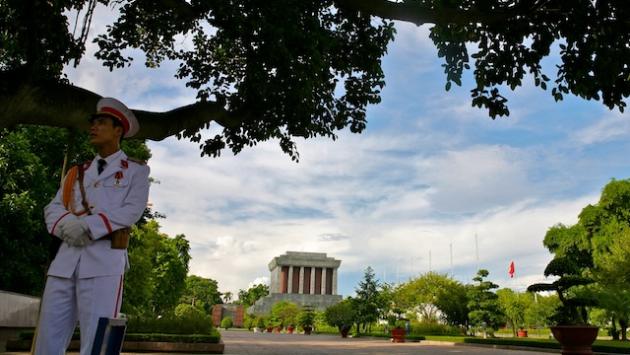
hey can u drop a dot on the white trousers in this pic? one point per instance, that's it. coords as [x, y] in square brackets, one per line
[67, 301]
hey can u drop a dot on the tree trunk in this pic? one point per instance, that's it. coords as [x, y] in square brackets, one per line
[623, 324]
[513, 323]
[613, 329]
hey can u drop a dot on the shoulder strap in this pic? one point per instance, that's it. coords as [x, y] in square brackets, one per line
[86, 206]
[68, 184]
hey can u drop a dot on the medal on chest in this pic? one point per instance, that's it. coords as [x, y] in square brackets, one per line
[118, 176]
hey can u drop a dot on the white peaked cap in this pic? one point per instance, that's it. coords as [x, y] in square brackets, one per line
[111, 107]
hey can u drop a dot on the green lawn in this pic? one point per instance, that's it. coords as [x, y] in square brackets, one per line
[609, 346]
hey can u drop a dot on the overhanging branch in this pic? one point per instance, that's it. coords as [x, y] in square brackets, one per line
[68, 106]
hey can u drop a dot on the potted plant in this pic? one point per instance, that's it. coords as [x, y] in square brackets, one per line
[260, 324]
[571, 318]
[276, 325]
[269, 324]
[521, 333]
[306, 319]
[398, 331]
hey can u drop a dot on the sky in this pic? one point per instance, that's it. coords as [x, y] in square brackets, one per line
[432, 184]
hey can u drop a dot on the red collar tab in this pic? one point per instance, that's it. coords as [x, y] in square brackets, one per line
[124, 164]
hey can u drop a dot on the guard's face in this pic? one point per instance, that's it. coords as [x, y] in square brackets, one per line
[103, 131]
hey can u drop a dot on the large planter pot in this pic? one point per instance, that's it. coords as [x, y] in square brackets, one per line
[398, 335]
[308, 329]
[290, 329]
[521, 333]
[575, 339]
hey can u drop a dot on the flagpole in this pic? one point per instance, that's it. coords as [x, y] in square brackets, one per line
[477, 250]
[451, 251]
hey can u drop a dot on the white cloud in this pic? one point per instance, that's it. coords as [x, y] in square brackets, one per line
[611, 127]
[476, 178]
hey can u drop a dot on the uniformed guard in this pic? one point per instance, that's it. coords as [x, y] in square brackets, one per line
[92, 213]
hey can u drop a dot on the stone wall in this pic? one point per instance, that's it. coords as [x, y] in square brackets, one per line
[18, 311]
[221, 311]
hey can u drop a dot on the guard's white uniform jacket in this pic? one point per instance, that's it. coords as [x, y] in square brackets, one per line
[117, 198]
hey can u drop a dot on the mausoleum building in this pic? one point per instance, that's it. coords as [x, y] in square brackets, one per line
[307, 279]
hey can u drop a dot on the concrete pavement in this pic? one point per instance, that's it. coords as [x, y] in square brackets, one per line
[242, 342]
[245, 342]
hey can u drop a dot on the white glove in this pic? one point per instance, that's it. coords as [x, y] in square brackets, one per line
[70, 218]
[75, 232]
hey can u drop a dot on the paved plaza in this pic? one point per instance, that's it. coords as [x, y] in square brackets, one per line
[242, 342]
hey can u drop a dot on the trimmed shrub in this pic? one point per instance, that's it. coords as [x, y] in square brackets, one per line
[226, 323]
[420, 328]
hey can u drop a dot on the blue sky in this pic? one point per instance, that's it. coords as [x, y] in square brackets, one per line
[430, 171]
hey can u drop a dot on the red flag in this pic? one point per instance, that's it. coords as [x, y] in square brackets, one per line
[511, 269]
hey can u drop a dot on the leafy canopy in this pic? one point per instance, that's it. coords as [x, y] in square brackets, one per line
[248, 297]
[284, 69]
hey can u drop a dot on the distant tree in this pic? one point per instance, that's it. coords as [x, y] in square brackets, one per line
[157, 280]
[201, 292]
[368, 301]
[537, 314]
[514, 305]
[227, 297]
[248, 297]
[434, 296]
[616, 302]
[387, 301]
[483, 304]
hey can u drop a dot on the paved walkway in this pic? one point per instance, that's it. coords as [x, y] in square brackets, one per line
[242, 342]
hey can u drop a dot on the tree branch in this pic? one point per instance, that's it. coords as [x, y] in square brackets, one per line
[63, 105]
